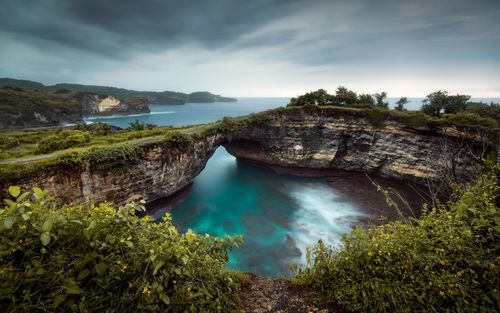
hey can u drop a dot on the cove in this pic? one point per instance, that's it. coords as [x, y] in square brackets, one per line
[277, 214]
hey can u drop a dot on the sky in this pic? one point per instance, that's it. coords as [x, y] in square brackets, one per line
[256, 47]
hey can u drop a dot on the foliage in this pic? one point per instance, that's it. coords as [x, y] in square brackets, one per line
[229, 125]
[379, 98]
[344, 96]
[98, 129]
[440, 101]
[113, 157]
[377, 116]
[8, 142]
[366, 98]
[413, 119]
[29, 108]
[64, 140]
[107, 259]
[466, 119]
[492, 110]
[400, 104]
[446, 261]
[139, 125]
[178, 140]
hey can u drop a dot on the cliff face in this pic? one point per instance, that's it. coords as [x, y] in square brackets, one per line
[158, 173]
[95, 104]
[318, 141]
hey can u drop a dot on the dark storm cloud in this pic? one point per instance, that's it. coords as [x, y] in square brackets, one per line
[121, 28]
[117, 27]
[259, 42]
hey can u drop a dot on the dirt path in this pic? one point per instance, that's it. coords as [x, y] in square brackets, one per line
[262, 294]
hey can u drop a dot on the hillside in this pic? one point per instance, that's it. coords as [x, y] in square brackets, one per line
[24, 108]
[162, 97]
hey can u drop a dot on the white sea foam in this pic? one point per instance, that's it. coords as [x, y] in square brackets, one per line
[322, 215]
[125, 116]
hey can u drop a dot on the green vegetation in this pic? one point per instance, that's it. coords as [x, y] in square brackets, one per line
[30, 108]
[121, 93]
[446, 261]
[400, 104]
[439, 109]
[105, 259]
[342, 97]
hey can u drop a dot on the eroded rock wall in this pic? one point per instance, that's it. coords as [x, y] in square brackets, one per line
[160, 172]
[322, 141]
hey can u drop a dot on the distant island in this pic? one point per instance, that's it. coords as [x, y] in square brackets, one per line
[153, 97]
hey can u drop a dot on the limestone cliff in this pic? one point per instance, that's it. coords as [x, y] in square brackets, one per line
[96, 104]
[322, 140]
[159, 172]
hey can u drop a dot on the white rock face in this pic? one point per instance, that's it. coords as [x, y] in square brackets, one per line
[108, 104]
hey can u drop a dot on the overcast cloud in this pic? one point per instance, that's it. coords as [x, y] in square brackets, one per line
[258, 47]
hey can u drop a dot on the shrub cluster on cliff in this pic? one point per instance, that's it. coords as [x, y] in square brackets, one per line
[57, 258]
[453, 108]
[446, 261]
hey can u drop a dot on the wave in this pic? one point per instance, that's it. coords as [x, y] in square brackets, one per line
[90, 118]
[322, 214]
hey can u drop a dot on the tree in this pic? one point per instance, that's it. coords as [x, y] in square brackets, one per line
[344, 96]
[434, 103]
[366, 98]
[318, 97]
[379, 98]
[456, 103]
[400, 104]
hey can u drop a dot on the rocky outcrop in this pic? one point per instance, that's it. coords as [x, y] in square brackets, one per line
[159, 172]
[96, 104]
[320, 140]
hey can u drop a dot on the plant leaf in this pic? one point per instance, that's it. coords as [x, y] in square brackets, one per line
[83, 274]
[9, 221]
[158, 266]
[14, 191]
[45, 238]
[165, 298]
[47, 226]
[100, 268]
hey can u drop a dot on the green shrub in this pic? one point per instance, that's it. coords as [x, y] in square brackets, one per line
[463, 119]
[64, 140]
[177, 140]
[446, 261]
[113, 158]
[7, 142]
[106, 259]
[377, 117]
[229, 125]
[413, 119]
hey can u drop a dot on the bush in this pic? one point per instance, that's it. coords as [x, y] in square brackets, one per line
[177, 140]
[377, 117]
[446, 261]
[466, 119]
[7, 142]
[64, 140]
[413, 119]
[106, 259]
[114, 158]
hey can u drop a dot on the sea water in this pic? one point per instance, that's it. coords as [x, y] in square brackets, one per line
[278, 215]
